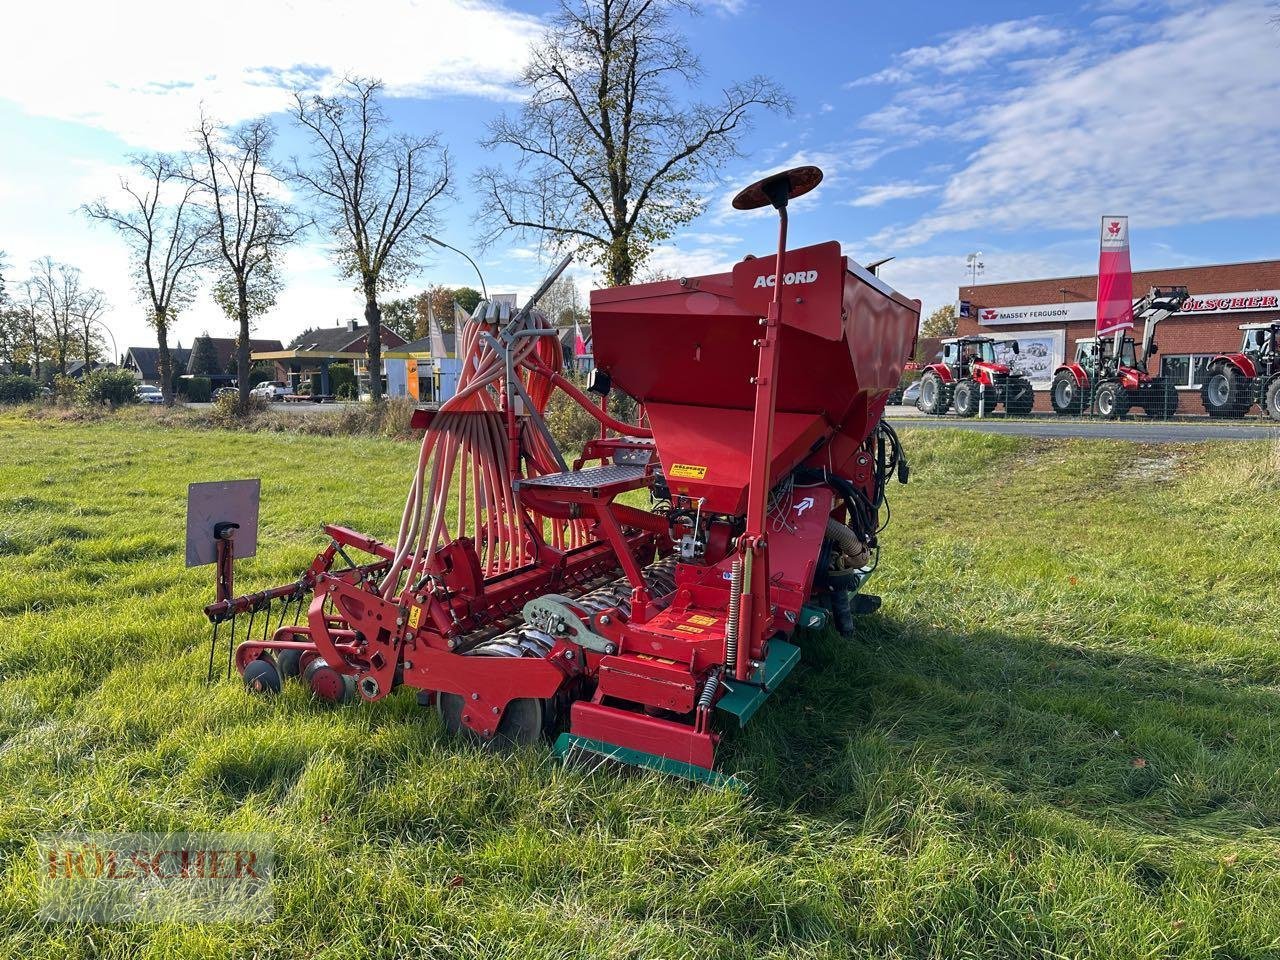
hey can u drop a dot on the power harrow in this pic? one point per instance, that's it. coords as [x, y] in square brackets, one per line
[525, 600]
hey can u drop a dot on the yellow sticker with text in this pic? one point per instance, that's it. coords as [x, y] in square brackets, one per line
[701, 620]
[688, 471]
[685, 628]
[415, 617]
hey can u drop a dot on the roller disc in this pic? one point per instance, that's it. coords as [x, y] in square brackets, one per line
[290, 663]
[328, 684]
[522, 723]
[261, 676]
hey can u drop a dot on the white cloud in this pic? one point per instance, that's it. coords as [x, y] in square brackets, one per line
[1182, 129]
[139, 68]
[977, 48]
[885, 192]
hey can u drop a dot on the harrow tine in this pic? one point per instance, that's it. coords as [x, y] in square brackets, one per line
[266, 622]
[231, 645]
[213, 646]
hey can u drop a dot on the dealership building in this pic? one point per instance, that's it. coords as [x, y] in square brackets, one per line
[1047, 317]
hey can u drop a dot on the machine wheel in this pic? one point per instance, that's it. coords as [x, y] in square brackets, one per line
[1066, 396]
[1020, 396]
[966, 398]
[327, 683]
[1226, 393]
[1162, 400]
[290, 664]
[261, 676]
[1112, 400]
[524, 722]
[1271, 399]
[935, 396]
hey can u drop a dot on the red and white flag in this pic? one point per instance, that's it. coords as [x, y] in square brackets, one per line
[579, 344]
[1115, 277]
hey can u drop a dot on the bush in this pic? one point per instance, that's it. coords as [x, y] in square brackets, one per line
[111, 388]
[228, 409]
[342, 381]
[261, 373]
[18, 389]
[195, 389]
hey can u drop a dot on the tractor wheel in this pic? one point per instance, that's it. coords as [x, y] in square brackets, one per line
[1226, 393]
[935, 396]
[261, 676]
[1112, 400]
[326, 683]
[1066, 396]
[1271, 399]
[1019, 396]
[967, 397]
[1161, 401]
[524, 722]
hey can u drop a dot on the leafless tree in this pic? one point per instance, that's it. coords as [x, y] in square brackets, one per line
[34, 324]
[59, 293]
[90, 310]
[251, 224]
[374, 192]
[608, 157]
[167, 233]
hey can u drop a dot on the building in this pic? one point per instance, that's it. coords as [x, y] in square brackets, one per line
[1048, 316]
[311, 353]
[142, 361]
[413, 370]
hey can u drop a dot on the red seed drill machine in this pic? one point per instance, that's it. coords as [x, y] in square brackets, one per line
[525, 600]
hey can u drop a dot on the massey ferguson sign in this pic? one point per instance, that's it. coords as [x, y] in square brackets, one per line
[1051, 313]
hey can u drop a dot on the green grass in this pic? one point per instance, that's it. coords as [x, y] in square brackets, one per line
[1059, 738]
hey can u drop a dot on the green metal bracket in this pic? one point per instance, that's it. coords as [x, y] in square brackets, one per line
[744, 699]
[568, 744]
[813, 618]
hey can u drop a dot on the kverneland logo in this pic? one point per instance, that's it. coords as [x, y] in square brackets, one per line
[799, 276]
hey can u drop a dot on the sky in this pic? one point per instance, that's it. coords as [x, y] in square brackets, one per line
[943, 129]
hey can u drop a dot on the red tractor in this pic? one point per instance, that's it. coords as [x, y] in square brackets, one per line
[1110, 376]
[1234, 382]
[969, 375]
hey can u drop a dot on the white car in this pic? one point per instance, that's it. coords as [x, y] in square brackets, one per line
[270, 390]
[149, 394]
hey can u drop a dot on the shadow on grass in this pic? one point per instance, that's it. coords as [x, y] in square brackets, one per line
[916, 713]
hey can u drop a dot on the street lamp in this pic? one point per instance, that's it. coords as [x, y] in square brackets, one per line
[441, 243]
[975, 266]
[115, 351]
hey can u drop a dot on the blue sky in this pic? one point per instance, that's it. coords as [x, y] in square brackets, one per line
[943, 128]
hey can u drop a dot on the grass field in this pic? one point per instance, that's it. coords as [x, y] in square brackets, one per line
[1059, 738]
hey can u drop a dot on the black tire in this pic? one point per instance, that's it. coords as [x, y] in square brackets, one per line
[290, 663]
[966, 398]
[524, 722]
[328, 684]
[1271, 399]
[1161, 401]
[935, 396]
[1227, 392]
[262, 677]
[1019, 397]
[1111, 400]
[1065, 395]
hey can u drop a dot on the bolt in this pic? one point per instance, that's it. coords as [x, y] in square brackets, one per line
[475, 696]
[453, 644]
[606, 619]
[568, 654]
[494, 711]
[610, 648]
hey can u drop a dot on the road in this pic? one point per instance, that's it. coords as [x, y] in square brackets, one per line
[1142, 430]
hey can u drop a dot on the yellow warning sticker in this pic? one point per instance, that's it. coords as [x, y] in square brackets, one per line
[415, 617]
[689, 471]
[685, 628]
[701, 620]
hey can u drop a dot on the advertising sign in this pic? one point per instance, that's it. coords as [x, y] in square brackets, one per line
[1039, 354]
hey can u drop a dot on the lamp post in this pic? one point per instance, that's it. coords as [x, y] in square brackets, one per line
[115, 351]
[975, 266]
[441, 243]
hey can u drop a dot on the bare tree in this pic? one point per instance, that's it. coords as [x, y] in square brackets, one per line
[59, 294]
[167, 234]
[89, 311]
[34, 326]
[251, 226]
[374, 192]
[609, 158]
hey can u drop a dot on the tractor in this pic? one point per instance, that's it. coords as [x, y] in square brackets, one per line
[969, 376]
[528, 594]
[1234, 382]
[1109, 374]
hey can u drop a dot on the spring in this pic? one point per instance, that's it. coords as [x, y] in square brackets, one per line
[731, 624]
[708, 694]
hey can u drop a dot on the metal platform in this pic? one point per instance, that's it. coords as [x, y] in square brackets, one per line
[588, 479]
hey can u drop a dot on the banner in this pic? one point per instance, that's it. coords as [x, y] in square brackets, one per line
[1115, 277]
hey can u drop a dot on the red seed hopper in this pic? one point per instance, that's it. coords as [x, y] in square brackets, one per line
[524, 600]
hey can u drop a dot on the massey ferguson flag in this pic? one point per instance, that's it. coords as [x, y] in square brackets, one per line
[1115, 277]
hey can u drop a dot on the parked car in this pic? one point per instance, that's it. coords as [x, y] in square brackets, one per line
[148, 393]
[270, 390]
[911, 395]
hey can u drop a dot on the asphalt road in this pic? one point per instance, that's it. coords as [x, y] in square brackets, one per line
[1141, 429]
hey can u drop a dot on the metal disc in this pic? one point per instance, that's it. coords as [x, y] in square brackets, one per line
[799, 181]
[522, 722]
